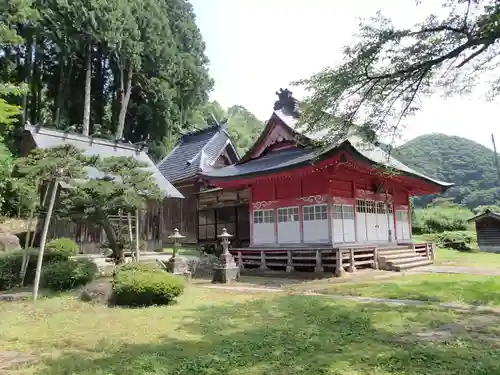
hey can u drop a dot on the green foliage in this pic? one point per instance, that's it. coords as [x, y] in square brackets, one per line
[482, 209]
[69, 274]
[139, 267]
[6, 165]
[457, 240]
[141, 287]
[10, 266]
[469, 165]
[440, 219]
[386, 69]
[62, 245]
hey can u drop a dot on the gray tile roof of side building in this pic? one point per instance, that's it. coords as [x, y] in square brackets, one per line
[285, 159]
[195, 153]
[46, 138]
[487, 213]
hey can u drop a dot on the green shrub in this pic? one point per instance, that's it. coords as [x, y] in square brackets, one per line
[458, 240]
[145, 288]
[10, 266]
[63, 245]
[136, 266]
[68, 274]
[440, 219]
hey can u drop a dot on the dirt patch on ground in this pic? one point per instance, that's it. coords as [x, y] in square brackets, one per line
[12, 359]
[478, 326]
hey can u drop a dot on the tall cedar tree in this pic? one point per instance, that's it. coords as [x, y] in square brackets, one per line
[127, 68]
[381, 77]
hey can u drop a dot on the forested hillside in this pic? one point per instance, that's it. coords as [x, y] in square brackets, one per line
[469, 165]
[122, 69]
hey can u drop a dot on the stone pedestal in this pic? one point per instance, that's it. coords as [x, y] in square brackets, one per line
[176, 264]
[226, 270]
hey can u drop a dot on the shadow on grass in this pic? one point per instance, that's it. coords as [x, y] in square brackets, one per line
[283, 335]
[473, 290]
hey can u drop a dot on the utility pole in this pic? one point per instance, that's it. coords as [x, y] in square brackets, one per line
[496, 157]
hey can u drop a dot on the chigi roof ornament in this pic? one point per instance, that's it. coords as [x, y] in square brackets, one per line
[287, 103]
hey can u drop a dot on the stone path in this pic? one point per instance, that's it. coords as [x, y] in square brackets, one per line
[457, 270]
[387, 301]
[10, 359]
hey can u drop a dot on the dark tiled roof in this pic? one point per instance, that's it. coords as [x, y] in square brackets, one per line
[46, 138]
[265, 164]
[195, 153]
[287, 158]
[487, 213]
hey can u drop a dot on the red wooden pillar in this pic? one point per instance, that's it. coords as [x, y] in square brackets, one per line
[355, 211]
[409, 216]
[250, 212]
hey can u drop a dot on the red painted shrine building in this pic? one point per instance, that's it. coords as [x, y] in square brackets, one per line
[301, 194]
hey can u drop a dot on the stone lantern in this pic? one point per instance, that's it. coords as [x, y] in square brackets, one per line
[176, 264]
[226, 270]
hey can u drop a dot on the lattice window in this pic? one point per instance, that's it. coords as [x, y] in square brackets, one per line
[370, 207]
[381, 208]
[337, 211]
[347, 212]
[360, 205]
[288, 214]
[263, 216]
[317, 212]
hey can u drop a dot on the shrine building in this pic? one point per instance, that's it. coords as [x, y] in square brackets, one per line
[300, 193]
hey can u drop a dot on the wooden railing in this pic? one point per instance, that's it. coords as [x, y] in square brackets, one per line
[337, 260]
[425, 249]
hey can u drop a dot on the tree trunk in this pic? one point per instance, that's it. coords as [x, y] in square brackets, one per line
[117, 248]
[130, 234]
[125, 97]
[60, 93]
[26, 258]
[29, 75]
[137, 250]
[88, 80]
[43, 239]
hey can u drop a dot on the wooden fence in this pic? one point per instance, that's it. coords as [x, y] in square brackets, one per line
[425, 249]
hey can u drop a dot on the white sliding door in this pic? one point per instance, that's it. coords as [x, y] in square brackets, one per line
[288, 225]
[348, 222]
[371, 222]
[402, 225]
[343, 226]
[390, 214]
[263, 227]
[361, 220]
[382, 224]
[315, 220]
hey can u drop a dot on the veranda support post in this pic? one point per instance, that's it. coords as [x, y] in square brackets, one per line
[319, 265]
[289, 262]
[352, 266]
[339, 268]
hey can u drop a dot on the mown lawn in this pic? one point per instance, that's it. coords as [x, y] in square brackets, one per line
[219, 332]
[469, 289]
[449, 257]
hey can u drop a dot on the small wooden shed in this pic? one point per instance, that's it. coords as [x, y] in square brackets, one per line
[488, 231]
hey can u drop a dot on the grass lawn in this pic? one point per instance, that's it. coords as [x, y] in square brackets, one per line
[219, 332]
[449, 257]
[470, 289]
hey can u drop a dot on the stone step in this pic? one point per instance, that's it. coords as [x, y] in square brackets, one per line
[394, 256]
[406, 266]
[396, 262]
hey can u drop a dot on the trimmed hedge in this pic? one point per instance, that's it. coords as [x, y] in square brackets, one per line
[136, 286]
[63, 245]
[69, 274]
[457, 240]
[10, 266]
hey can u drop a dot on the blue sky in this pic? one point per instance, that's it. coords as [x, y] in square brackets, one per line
[257, 46]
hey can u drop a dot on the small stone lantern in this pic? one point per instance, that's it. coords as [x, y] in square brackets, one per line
[226, 270]
[176, 264]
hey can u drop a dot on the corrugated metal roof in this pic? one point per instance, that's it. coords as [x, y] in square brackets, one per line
[46, 138]
[195, 153]
[487, 213]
